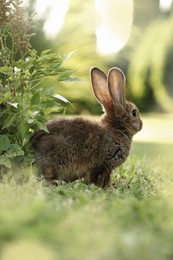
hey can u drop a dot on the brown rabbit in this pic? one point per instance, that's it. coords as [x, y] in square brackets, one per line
[76, 148]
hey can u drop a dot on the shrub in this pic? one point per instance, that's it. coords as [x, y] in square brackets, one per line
[26, 99]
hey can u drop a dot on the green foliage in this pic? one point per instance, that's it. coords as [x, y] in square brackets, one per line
[147, 73]
[26, 99]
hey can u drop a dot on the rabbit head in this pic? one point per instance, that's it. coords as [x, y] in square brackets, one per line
[110, 93]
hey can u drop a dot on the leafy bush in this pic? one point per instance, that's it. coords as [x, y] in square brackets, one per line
[25, 103]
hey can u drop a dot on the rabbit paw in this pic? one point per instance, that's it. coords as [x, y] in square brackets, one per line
[104, 181]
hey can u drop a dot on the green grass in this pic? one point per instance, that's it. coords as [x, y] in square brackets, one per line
[75, 221]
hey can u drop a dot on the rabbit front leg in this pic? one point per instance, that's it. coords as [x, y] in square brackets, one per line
[104, 180]
[101, 177]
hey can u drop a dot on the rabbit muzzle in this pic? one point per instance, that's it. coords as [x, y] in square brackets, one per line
[137, 126]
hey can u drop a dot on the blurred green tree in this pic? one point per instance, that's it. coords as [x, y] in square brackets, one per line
[146, 59]
[78, 34]
[150, 60]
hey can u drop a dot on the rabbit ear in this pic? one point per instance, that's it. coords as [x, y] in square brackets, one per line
[100, 87]
[116, 83]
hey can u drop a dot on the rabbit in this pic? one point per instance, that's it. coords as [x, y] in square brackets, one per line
[79, 148]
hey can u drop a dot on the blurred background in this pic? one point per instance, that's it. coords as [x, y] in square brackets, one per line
[133, 35]
[136, 36]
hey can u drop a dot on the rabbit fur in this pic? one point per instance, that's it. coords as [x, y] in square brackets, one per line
[79, 148]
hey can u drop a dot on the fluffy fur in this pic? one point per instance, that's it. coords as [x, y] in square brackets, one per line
[76, 148]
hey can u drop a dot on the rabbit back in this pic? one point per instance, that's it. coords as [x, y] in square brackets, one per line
[69, 150]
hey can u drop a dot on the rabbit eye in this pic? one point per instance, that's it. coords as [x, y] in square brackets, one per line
[134, 112]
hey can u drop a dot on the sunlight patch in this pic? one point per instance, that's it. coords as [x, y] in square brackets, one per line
[56, 11]
[114, 20]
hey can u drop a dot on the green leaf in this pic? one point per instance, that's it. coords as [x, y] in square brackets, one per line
[55, 67]
[48, 103]
[33, 53]
[9, 120]
[5, 161]
[24, 64]
[42, 126]
[45, 52]
[6, 70]
[60, 98]
[64, 76]
[35, 98]
[73, 79]
[23, 130]
[4, 143]
[15, 150]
